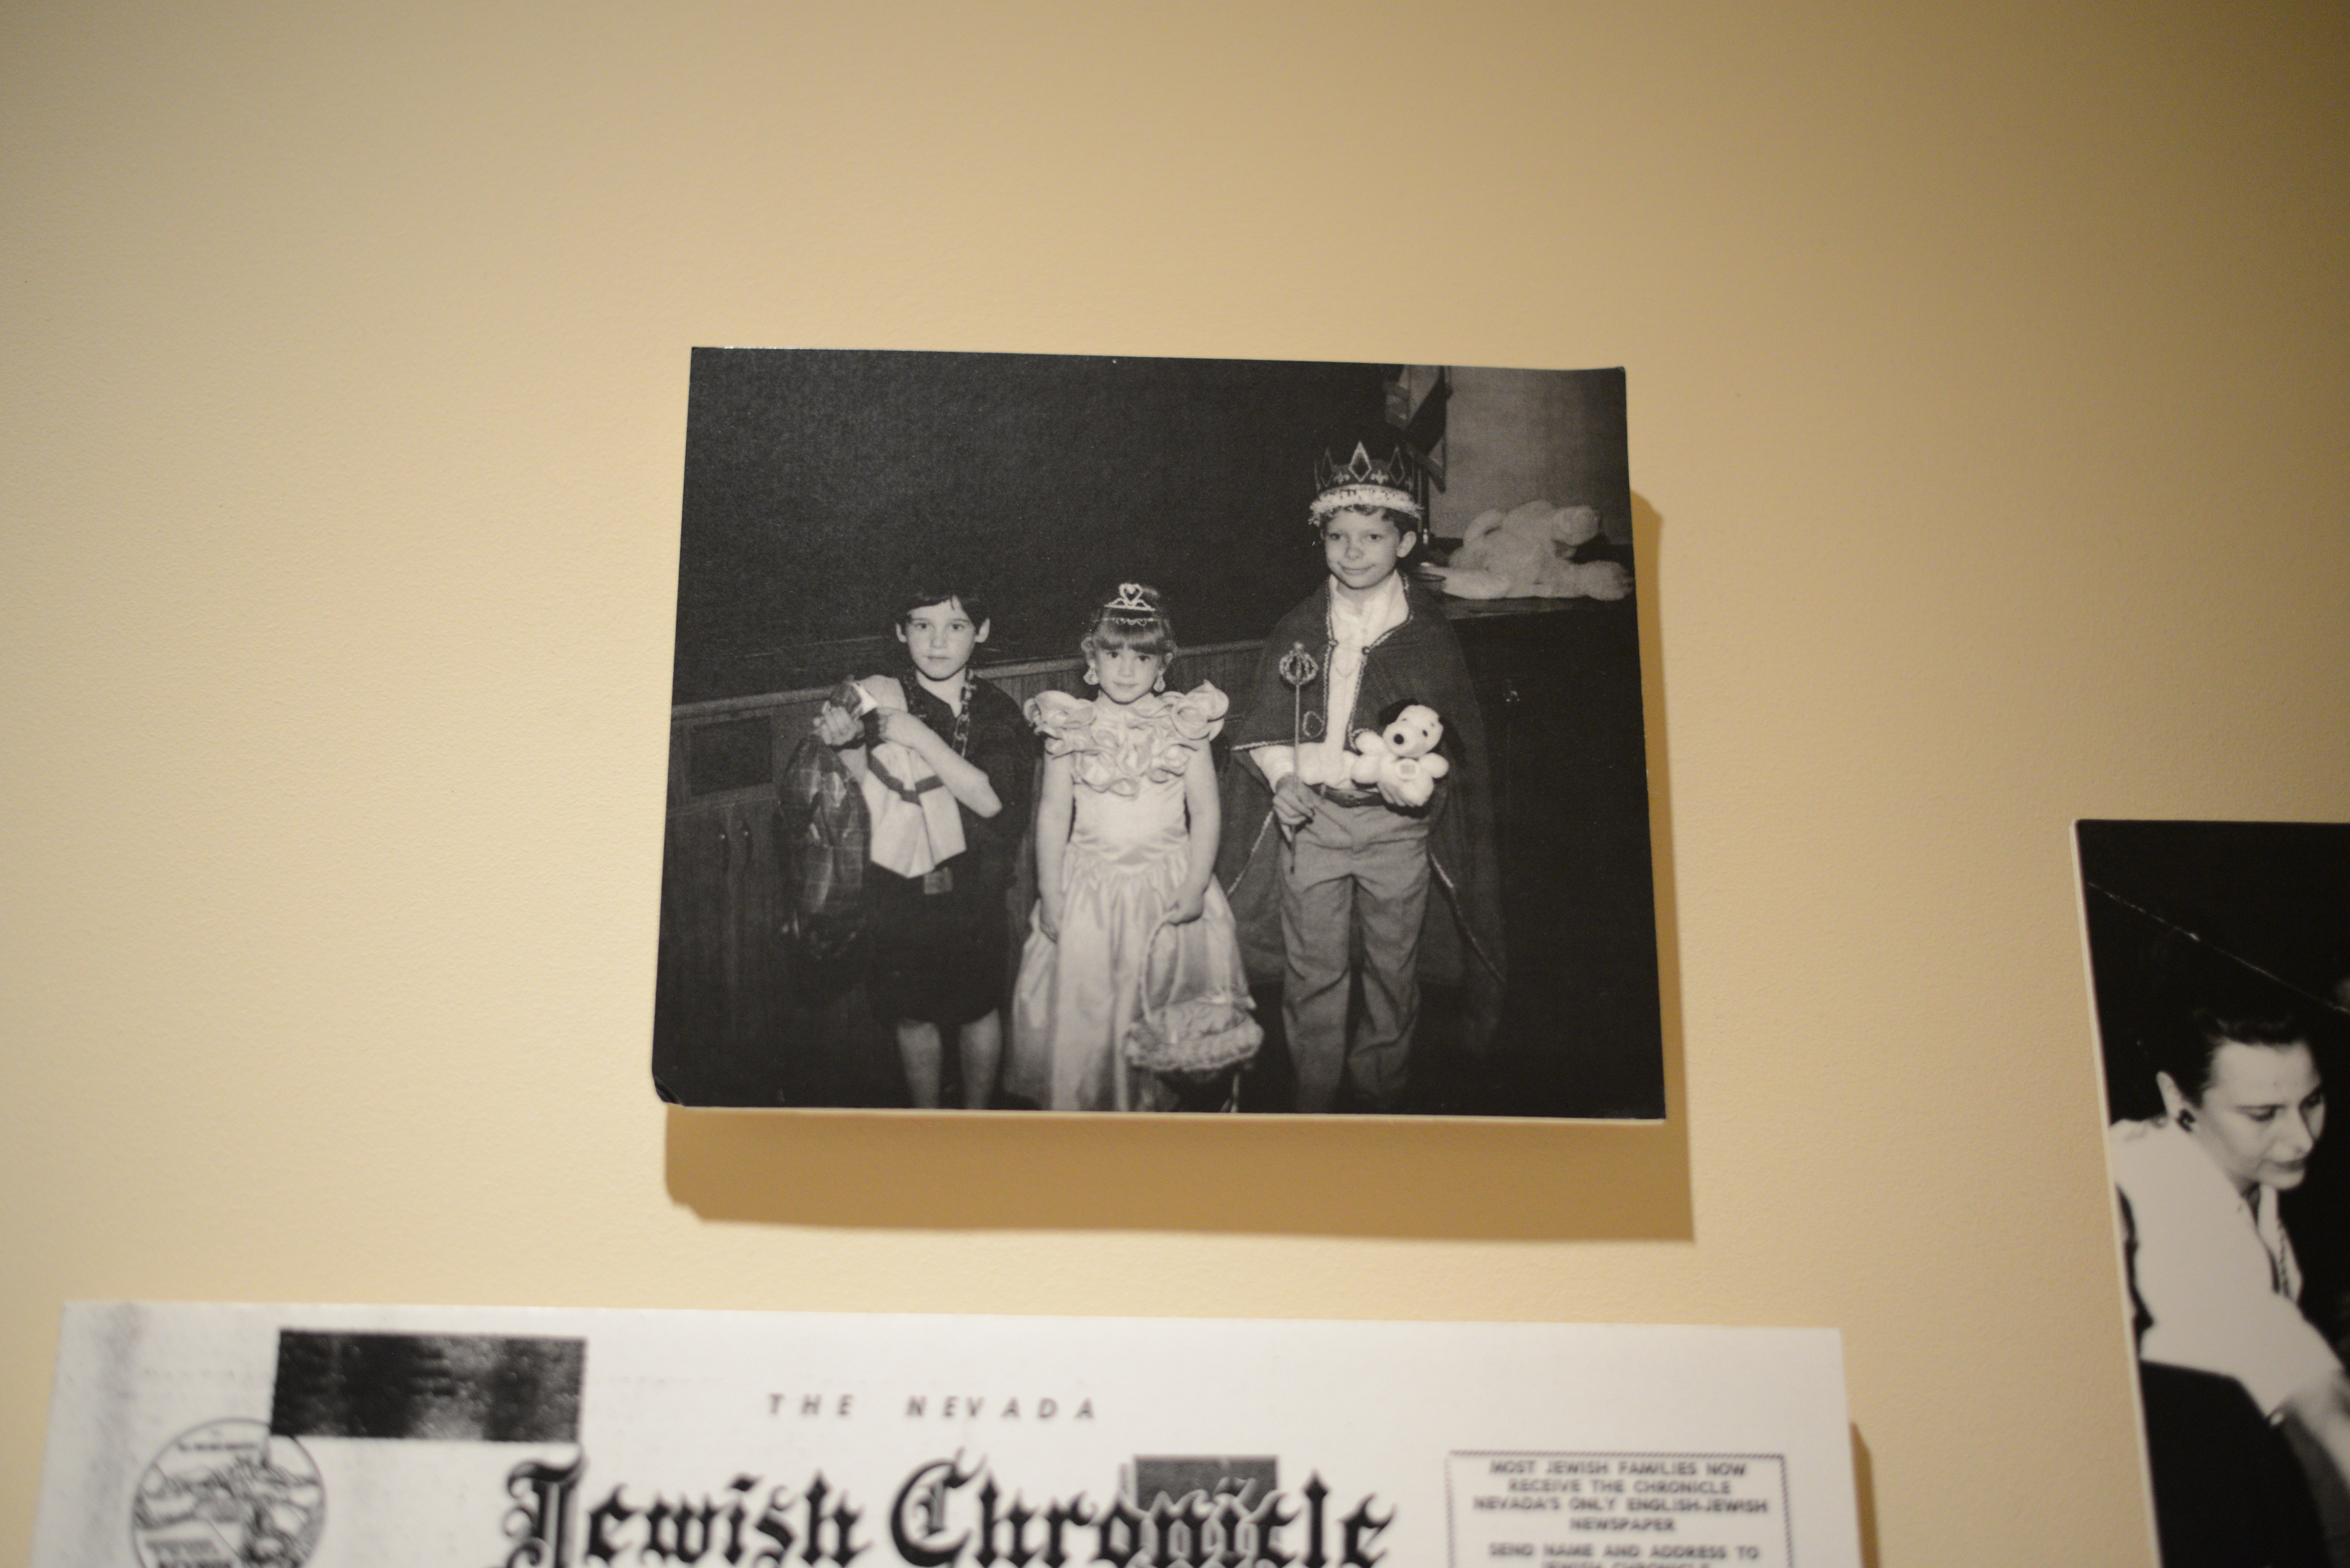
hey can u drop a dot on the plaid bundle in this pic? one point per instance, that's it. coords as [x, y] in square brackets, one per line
[831, 836]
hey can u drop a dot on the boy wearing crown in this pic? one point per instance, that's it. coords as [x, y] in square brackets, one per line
[1317, 863]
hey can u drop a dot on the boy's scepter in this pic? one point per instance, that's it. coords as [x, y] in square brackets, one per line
[1298, 667]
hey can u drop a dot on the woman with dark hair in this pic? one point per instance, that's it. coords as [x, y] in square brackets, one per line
[2211, 1269]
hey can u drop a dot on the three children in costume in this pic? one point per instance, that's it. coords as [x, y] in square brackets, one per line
[1136, 968]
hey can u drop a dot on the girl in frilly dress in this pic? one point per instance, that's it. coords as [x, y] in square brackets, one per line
[1132, 968]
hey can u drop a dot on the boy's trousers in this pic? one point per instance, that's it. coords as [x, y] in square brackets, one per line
[1353, 866]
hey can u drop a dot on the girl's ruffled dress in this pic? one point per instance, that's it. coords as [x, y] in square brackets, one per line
[1118, 971]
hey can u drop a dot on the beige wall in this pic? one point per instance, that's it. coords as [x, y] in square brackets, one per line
[1988, 399]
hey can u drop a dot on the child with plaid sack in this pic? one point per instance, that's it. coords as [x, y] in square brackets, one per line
[939, 940]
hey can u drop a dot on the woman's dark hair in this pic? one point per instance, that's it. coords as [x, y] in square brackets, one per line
[1114, 622]
[2184, 1040]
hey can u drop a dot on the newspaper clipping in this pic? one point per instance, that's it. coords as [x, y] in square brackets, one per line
[199, 1436]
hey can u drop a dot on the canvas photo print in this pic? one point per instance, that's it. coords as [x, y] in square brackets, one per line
[1163, 736]
[2219, 957]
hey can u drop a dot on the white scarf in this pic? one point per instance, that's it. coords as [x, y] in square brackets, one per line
[1355, 625]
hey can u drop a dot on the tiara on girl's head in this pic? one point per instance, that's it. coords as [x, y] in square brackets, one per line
[1363, 480]
[1129, 597]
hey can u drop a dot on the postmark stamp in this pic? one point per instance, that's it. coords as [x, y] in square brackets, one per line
[228, 1494]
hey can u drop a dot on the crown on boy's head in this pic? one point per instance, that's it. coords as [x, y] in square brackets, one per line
[1363, 480]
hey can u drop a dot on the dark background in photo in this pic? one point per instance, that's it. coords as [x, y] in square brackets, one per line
[816, 484]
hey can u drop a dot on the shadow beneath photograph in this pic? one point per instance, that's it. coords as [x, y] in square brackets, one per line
[1323, 1176]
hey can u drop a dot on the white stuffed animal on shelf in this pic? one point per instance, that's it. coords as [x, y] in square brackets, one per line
[1524, 553]
[1402, 761]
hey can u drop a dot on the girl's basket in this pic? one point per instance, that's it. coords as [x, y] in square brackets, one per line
[1192, 1037]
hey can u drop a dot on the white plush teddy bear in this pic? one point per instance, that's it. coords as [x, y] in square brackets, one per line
[1525, 554]
[1402, 761]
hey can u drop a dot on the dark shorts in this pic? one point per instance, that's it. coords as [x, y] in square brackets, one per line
[937, 958]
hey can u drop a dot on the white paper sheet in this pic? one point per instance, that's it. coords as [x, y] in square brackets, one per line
[506, 1438]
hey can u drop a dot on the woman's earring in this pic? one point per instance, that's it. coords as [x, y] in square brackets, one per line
[1092, 679]
[1160, 684]
[2186, 1120]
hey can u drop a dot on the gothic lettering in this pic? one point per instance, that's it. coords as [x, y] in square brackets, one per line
[947, 1514]
[611, 1511]
[1362, 1528]
[540, 1523]
[918, 1519]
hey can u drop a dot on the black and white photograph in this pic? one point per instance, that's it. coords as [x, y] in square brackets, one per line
[2219, 958]
[1112, 734]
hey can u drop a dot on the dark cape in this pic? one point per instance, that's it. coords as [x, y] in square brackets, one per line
[1418, 661]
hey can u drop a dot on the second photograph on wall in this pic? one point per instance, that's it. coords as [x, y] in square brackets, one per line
[1101, 734]
[2220, 962]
